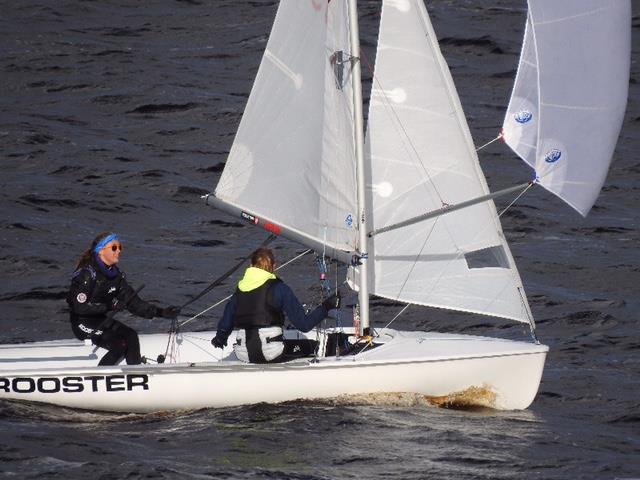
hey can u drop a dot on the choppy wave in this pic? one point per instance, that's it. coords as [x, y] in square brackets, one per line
[120, 115]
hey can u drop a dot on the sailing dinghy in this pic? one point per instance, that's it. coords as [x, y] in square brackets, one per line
[407, 207]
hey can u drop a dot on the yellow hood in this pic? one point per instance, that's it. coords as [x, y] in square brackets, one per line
[253, 278]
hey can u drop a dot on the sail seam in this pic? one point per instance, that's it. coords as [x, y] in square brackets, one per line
[571, 17]
[577, 107]
[386, 101]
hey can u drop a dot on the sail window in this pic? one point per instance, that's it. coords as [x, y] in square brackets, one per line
[338, 60]
[490, 257]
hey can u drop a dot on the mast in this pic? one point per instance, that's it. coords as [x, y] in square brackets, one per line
[363, 293]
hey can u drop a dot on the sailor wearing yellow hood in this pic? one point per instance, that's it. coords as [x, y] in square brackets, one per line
[259, 306]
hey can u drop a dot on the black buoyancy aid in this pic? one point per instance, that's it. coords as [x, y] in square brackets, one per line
[254, 310]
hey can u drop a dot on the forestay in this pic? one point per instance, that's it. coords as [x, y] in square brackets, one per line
[292, 160]
[422, 157]
[570, 94]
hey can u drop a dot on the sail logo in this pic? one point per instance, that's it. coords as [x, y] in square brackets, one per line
[553, 156]
[349, 220]
[249, 218]
[523, 116]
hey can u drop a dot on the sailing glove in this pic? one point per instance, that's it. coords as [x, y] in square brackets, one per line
[117, 305]
[217, 342]
[171, 312]
[332, 302]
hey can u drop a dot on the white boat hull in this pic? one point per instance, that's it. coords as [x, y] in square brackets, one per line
[501, 374]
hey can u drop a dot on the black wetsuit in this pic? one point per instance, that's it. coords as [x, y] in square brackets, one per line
[93, 290]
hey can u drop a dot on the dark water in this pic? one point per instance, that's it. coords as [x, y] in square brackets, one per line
[119, 114]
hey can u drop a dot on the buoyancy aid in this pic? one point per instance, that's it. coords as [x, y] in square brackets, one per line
[259, 345]
[254, 301]
[260, 341]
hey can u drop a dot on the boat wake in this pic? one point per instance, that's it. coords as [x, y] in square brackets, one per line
[54, 413]
[472, 398]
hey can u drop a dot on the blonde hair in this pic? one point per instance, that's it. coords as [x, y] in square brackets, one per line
[264, 259]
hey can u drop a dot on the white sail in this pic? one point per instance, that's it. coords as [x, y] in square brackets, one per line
[570, 94]
[520, 126]
[292, 160]
[422, 157]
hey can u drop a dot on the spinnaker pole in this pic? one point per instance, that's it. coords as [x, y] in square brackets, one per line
[451, 208]
[363, 293]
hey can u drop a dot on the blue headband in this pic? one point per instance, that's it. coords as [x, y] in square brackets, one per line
[105, 241]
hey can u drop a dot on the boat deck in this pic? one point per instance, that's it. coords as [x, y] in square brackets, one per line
[193, 349]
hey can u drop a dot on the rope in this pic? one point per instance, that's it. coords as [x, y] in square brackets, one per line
[294, 259]
[369, 339]
[499, 215]
[324, 289]
[407, 139]
[227, 274]
[229, 296]
[171, 341]
[175, 326]
[399, 313]
[500, 135]
[205, 310]
[531, 184]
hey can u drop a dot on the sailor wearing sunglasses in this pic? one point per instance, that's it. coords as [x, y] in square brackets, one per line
[98, 290]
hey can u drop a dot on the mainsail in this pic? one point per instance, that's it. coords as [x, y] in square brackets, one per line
[292, 160]
[422, 157]
[570, 94]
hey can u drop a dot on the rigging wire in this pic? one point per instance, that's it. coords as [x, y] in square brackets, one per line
[500, 135]
[173, 333]
[415, 261]
[523, 299]
[531, 184]
[324, 289]
[227, 274]
[397, 315]
[386, 326]
[175, 326]
[389, 106]
[460, 253]
[229, 296]
[325, 292]
[322, 263]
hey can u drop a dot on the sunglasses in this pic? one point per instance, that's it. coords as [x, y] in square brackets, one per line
[116, 247]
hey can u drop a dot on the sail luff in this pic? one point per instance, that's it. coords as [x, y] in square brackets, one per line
[363, 293]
